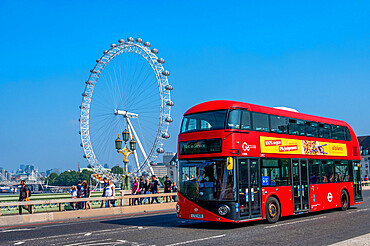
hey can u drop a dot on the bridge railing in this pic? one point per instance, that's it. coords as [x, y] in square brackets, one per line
[365, 183]
[60, 202]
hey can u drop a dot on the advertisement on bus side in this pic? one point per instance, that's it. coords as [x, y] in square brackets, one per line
[301, 147]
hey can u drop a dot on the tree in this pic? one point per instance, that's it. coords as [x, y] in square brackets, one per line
[117, 170]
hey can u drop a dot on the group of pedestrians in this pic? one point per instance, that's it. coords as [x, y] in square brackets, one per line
[81, 190]
[141, 187]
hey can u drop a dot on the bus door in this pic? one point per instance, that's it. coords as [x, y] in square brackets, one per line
[300, 186]
[249, 189]
[357, 181]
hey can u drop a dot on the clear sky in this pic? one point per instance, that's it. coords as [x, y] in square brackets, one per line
[310, 55]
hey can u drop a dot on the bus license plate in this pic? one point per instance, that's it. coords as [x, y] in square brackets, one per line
[199, 216]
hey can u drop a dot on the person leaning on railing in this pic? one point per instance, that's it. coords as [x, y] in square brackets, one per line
[24, 195]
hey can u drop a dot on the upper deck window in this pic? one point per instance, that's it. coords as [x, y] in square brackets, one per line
[260, 122]
[338, 132]
[279, 124]
[239, 119]
[211, 120]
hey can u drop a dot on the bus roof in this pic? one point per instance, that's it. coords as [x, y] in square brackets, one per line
[226, 104]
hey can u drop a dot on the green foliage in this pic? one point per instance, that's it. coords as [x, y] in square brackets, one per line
[69, 178]
[117, 170]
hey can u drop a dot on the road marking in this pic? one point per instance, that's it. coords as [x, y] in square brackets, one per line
[88, 234]
[84, 243]
[197, 240]
[358, 210]
[294, 222]
[361, 240]
[16, 230]
[19, 243]
[108, 231]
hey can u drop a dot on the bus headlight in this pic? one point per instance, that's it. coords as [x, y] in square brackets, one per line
[178, 208]
[223, 210]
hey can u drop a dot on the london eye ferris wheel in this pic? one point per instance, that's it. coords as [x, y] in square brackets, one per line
[128, 87]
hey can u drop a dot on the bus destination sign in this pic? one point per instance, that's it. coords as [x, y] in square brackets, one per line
[202, 146]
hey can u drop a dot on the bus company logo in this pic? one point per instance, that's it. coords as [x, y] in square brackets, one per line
[288, 148]
[330, 197]
[247, 147]
[272, 142]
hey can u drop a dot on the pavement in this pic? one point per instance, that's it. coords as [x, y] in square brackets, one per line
[351, 227]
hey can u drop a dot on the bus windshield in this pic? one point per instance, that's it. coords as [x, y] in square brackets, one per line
[211, 120]
[206, 180]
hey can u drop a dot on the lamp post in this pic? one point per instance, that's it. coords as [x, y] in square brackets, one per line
[126, 152]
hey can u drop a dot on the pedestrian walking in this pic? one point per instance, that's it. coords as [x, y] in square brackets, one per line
[174, 189]
[74, 196]
[87, 193]
[154, 188]
[141, 189]
[24, 195]
[109, 192]
[146, 190]
[80, 188]
[167, 188]
[105, 185]
[135, 191]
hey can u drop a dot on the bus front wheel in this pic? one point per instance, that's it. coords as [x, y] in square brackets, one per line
[272, 210]
[344, 200]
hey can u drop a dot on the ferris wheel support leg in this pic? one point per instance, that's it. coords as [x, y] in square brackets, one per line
[135, 153]
[140, 146]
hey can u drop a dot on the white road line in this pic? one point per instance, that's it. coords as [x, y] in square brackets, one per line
[197, 240]
[294, 222]
[84, 243]
[88, 234]
[12, 230]
[125, 229]
[361, 240]
[19, 243]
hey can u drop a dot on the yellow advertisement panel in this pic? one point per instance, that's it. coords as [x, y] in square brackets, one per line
[301, 147]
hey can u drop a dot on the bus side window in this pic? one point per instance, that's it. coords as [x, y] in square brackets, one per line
[270, 169]
[338, 132]
[314, 168]
[260, 122]
[341, 170]
[297, 127]
[278, 124]
[245, 123]
[324, 172]
[324, 130]
[312, 129]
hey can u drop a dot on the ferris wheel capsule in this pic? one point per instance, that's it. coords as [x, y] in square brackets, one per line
[113, 45]
[147, 44]
[169, 87]
[166, 73]
[88, 82]
[84, 94]
[154, 51]
[160, 60]
[160, 150]
[169, 119]
[79, 132]
[105, 52]
[165, 135]
[93, 71]
[84, 156]
[139, 40]
[81, 145]
[130, 39]
[169, 103]
[121, 41]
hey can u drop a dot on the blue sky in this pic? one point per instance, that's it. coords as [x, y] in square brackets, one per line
[313, 56]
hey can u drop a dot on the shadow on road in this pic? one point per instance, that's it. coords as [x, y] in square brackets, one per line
[170, 220]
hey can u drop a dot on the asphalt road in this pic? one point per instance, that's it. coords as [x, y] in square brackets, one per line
[351, 227]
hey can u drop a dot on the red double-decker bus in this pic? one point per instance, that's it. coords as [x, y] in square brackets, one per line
[240, 162]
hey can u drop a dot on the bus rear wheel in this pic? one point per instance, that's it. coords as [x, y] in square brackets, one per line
[344, 200]
[272, 210]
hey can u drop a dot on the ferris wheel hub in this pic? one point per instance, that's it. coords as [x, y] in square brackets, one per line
[125, 113]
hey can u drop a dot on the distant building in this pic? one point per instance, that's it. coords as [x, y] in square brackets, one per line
[167, 157]
[172, 169]
[364, 142]
[159, 169]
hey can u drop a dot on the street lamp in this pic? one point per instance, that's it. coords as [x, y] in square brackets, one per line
[126, 152]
